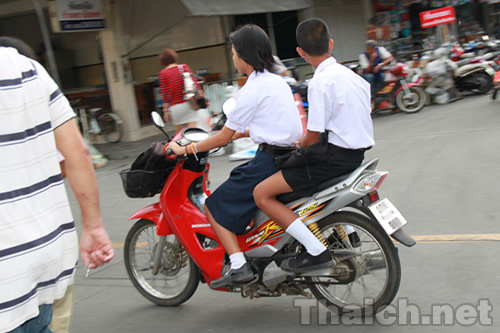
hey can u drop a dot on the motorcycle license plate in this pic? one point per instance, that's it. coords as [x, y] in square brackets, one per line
[388, 215]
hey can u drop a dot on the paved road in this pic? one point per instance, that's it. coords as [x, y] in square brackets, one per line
[444, 177]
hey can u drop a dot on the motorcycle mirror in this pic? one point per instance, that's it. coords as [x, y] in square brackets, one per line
[229, 105]
[158, 121]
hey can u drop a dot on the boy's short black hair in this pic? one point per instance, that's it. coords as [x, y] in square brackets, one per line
[313, 36]
[253, 46]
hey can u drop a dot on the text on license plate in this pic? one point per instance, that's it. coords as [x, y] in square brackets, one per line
[388, 216]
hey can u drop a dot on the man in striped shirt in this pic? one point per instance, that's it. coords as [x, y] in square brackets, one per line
[38, 241]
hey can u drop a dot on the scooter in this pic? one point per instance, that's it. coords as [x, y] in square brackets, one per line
[407, 96]
[172, 247]
[475, 76]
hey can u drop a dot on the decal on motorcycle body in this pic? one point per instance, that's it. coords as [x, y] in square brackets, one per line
[269, 231]
[206, 225]
[387, 88]
[307, 213]
[307, 209]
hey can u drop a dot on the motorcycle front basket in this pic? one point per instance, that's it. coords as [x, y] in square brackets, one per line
[143, 183]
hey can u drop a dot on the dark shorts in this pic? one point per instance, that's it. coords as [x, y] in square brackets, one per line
[338, 162]
[232, 204]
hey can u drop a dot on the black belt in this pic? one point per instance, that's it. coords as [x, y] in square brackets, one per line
[361, 150]
[276, 150]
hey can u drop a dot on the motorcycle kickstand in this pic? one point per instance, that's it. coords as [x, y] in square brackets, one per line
[158, 254]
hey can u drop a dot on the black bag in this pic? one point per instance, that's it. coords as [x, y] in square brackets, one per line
[148, 173]
[315, 153]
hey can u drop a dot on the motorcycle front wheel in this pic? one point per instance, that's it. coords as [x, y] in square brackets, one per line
[367, 271]
[178, 276]
[411, 101]
[111, 127]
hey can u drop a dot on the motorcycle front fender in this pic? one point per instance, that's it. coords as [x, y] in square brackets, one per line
[409, 85]
[153, 213]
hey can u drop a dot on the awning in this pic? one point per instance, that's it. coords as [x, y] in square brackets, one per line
[238, 7]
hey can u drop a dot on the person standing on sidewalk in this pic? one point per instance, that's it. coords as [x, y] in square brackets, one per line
[175, 108]
[38, 240]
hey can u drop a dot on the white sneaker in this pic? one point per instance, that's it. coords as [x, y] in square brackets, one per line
[217, 152]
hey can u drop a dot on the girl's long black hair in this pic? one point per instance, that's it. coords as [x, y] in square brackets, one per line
[253, 46]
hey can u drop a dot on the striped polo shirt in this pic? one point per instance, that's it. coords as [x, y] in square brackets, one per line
[38, 241]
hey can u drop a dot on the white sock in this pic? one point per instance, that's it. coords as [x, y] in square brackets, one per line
[237, 260]
[301, 232]
[349, 229]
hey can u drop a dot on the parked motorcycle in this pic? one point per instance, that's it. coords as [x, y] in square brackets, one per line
[475, 76]
[398, 92]
[439, 77]
[172, 247]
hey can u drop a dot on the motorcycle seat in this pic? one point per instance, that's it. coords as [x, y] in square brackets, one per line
[289, 197]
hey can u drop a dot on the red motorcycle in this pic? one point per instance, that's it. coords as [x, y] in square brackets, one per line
[398, 93]
[172, 247]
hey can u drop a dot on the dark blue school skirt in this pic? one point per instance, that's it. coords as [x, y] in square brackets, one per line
[232, 204]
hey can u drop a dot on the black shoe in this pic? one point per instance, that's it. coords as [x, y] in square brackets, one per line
[354, 239]
[304, 262]
[240, 275]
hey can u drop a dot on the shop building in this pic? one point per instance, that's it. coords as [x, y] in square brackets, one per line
[115, 67]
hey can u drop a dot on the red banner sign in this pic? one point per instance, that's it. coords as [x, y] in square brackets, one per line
[439, 16]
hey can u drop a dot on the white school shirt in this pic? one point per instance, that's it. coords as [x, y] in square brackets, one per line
[266, 106]
[339, 101]
[38, 241]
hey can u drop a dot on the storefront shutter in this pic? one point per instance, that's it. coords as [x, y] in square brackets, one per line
[347, 24]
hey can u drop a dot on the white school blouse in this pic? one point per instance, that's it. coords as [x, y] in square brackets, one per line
[266, 106]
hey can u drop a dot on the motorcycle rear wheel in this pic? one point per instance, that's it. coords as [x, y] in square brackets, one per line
[178, 276]
[372, 273]
[411, 102]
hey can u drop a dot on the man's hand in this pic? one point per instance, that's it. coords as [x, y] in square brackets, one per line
[95, 247]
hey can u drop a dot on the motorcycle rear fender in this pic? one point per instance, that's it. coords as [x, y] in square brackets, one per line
[400, 235]
[469, 69]
[153, 213]
[349, 198]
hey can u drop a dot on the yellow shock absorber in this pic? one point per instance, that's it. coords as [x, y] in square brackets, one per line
[343, 236]
[315, 230]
